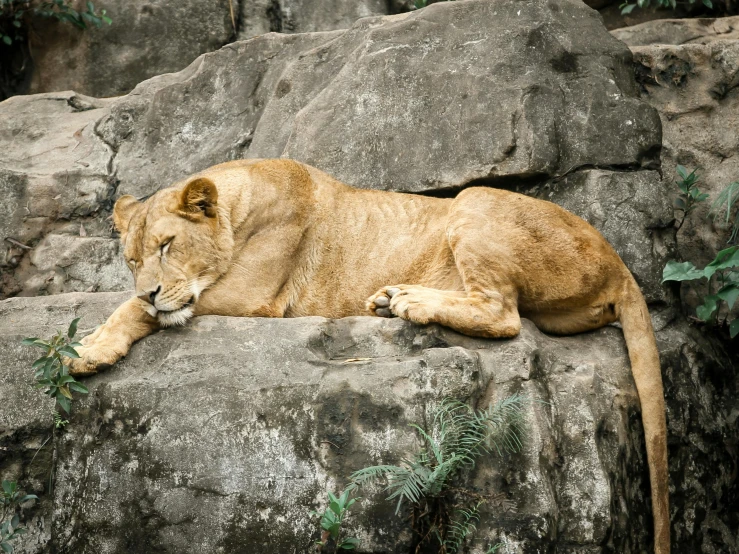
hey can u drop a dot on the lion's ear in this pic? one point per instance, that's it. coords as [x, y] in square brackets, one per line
[123, 211]
[199, 196]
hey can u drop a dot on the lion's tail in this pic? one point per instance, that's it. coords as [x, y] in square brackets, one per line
[645, 366]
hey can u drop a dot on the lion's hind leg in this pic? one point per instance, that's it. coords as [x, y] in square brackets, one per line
[475, 313]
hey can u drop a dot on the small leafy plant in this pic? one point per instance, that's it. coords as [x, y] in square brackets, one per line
[690, 195]
[458, 436]
[722, 275]
[628, 7]
[15, 16]
[50, 371]
[10, 528]
[333, 517]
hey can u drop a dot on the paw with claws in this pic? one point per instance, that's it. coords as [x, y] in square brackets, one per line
[379, 303]
[411, 302]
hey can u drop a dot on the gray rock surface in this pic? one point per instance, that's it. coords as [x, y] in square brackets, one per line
[692, 84]
[680, 31]
[237, 426]
[258, 17]
[149, 38]
[420, 102]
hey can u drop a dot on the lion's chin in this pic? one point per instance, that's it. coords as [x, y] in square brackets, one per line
[175, 317]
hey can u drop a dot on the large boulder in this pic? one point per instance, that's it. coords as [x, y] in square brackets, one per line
[421, 102]
[222, 436]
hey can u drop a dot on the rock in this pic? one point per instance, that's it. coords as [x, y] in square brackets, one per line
[691, 86]
[610, 11]
[239, 425]
[151, 38]
[67, 263]
[540, 123]
[679, 31]
[454, 108]
[53, 168]
[304, 16]
[146, 39]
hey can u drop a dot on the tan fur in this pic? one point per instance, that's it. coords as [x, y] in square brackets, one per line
[281, 239]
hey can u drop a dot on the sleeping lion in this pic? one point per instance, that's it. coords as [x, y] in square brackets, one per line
[277, 238]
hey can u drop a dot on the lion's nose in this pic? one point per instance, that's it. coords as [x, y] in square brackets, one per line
[151, 295]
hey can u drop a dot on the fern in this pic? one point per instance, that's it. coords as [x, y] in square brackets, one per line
[462, 525]
[458, 435]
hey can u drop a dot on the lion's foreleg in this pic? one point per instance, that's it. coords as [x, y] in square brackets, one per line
[482, 314]
[110, 342]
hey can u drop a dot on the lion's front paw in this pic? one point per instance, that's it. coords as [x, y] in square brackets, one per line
[91, 360]
[412, 302]
[379, 303]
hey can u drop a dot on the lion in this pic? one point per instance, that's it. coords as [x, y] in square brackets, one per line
[277, 238]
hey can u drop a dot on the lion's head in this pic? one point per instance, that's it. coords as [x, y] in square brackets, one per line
[175, 245]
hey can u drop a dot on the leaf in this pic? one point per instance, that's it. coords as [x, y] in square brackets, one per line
[7, 40]
[4, 545]
[69, 352]
[78, 387]
[65, 391]
[729, 294]
[9, 487]
[680, 204]
[15, 521]
[684, 271]
[708, 4]
[627, 9]
[64, 403]
[734, 328]
[350, 543]
[27, 498]
[725, 259]
[29, 341]
[682, 171]
[334, 504]
[710, 304]
[72, 331]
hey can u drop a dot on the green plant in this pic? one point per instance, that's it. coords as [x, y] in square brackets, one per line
[15, 16]
[462, 525]
[10, 528]
[627, 8]
[690, 195]
[59, 423]
[722, 275]
[458, 436]
[723, 207]
[332, 518]
[50, 371]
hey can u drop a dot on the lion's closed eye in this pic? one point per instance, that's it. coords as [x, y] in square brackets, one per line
[164, 247]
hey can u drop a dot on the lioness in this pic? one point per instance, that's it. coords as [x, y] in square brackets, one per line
[276, 238]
